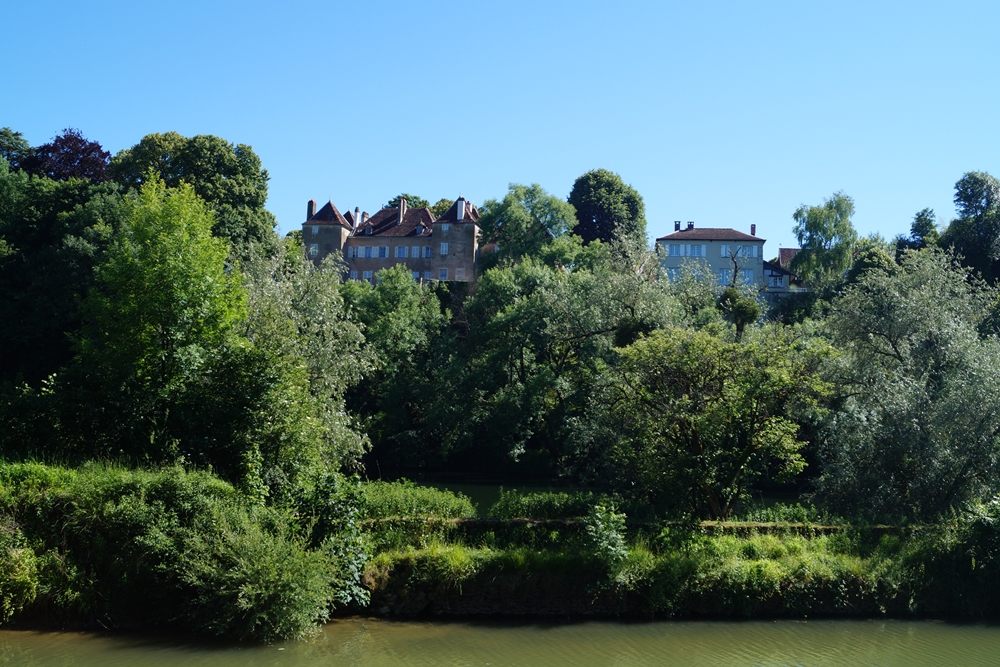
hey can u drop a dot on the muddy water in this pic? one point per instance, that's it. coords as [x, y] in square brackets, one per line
[373, 643]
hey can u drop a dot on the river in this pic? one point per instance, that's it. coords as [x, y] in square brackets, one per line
[374, 643]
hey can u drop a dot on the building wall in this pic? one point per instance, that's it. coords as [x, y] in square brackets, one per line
[711, 253]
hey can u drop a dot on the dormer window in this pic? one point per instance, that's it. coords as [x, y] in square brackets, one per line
[368, 230]
[420, 230]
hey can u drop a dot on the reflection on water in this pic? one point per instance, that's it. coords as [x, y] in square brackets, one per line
[371, 643]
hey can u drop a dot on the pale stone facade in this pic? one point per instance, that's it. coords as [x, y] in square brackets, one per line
[722, 250]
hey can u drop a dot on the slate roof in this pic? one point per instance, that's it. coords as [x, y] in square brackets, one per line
[329, 215]
[777, 268]
[709, 234]
[384, 222]
[451, 215]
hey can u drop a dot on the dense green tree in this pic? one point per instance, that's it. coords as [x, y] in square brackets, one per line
[975, 235]
[52, 234]
[229, 177]
[14, 148]
[441, 206]
[522, 222]
[698, 416]
[412, 201]
[826, 235]
[738, 308]
[916, 431]
[607, 208]
[68, 155]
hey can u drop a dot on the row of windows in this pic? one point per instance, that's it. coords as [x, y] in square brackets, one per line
[701, 250]
[402, 251]
[725, 277]
[442, 275]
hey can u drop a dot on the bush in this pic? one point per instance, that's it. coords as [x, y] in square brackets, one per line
[119, 547]
[514, 504]
[384, 500]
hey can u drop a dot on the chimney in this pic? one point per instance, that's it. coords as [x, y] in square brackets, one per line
[677, 225]
[753, 230]
[460, 211]
[402, 211]
[690, 225]
[357, 216]
[364, 217]
[310, 209]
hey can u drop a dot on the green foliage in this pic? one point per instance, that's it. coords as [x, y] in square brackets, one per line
[441, 206]
[229, 177]
[974, 237]
[124, 548]
[740, 309]
[607, 208]
[525, 220]
[826, 236]
[18, 571]
[14, 148]
[916, 431]
[412, 201]
[514, 504]
[697, 415]
[384, 500]
[605, 529]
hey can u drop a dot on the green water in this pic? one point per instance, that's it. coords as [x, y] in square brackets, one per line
[594, 644]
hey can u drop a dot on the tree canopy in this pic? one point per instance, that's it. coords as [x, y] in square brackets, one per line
[68, 155]
[607, 208]
[522, 222]
[826, 237]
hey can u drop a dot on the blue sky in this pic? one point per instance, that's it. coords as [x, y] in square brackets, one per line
[724, 113]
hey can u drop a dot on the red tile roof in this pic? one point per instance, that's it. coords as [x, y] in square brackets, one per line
[451, 215]
[329, 215]
[786, 255]
[709, 234]
[384, 223]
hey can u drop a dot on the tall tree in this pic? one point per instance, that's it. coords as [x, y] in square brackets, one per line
[441, 206]
[975, 234]
[69, 155]
[229, 177]
[916, 432]
[607, 208]
[14, 147]
[827, 236]
[522, 222]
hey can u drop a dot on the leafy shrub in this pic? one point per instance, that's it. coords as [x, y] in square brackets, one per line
[382, 500]
[606, 535]
[127, 547]
[514, 504]
[784, 513]
[18, 571]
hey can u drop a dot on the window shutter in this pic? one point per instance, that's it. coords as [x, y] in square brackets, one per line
[704, 251]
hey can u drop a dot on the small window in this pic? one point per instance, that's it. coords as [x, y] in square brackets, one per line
[696, 251]
[724, 250]
[427, 275]
[445, 226]
[368, 251]
[354, 275]
[315, 229]
[675, 250]
[420, 230]
[746, 276]
[416, 275]
[383, 251]
[427, 251]
[402, 251]
[459, 274]
[313, 249]
[416, 252]
[776, 281]
[443, 274]
[368, 230]
[725, 276]
[367, 275]
[444, 249]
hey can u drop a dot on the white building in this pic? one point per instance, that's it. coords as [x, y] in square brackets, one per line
[723, 250]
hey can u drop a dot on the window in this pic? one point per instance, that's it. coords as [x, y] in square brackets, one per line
[368, 251]
[724, 250]
[675, 250]
[445, 226]
[315, 230]
[368, 230]
[443, 274]
[427, 251]
[367, 275]
[354, 275]
[725, 276]
[696, 251]
[459, 274]
[427, 275]
[313, 249]
[416, 252]
[383, 251]
[776, 281]
[420, 230]
[352, 251]
[746, 276]
[416, 275]
[444, 249]
[402, 251]
[673, 275]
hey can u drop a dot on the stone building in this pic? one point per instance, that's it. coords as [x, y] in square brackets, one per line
[432, 248]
